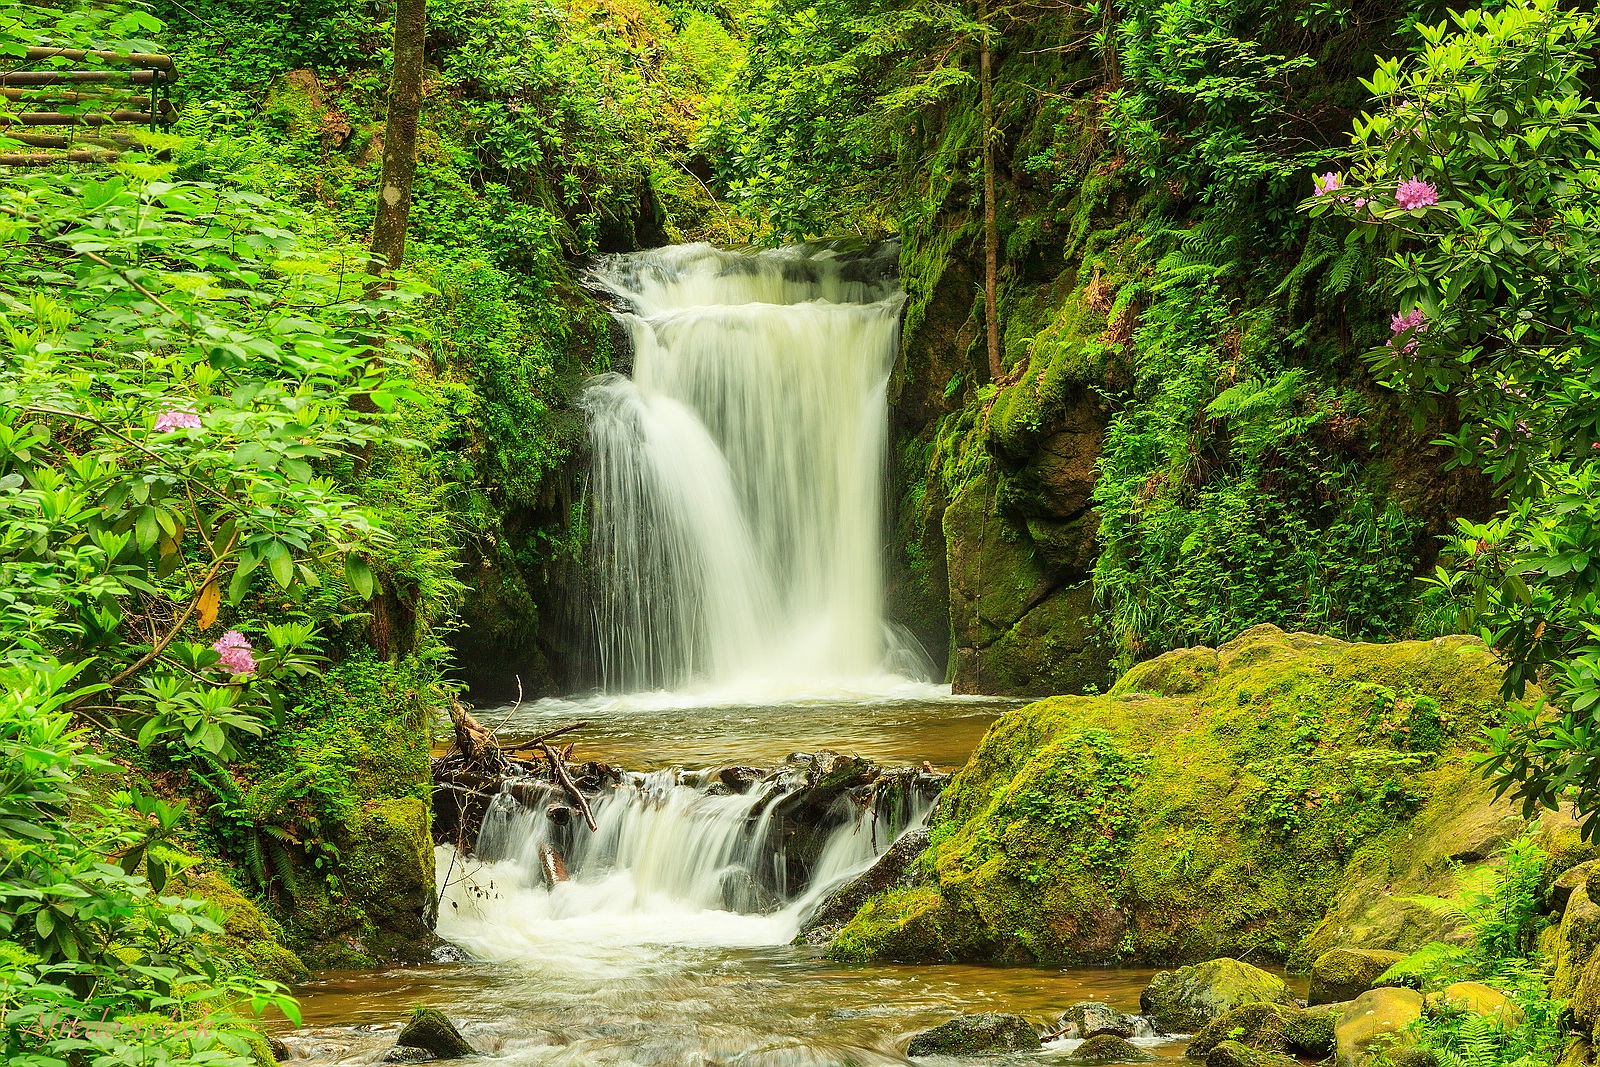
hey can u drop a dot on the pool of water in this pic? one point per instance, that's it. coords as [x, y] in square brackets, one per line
[627, 965]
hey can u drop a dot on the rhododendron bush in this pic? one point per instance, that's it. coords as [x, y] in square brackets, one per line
[1480, 170]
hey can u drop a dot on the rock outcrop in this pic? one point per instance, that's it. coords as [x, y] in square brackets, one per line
[1345, 973]
[1275, 798]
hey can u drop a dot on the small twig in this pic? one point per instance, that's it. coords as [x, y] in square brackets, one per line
[538, 742]
[496, 727]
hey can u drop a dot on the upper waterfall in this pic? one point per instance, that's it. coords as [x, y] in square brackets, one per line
[737, 478]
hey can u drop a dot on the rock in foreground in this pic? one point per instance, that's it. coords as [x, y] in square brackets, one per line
[430, 1031]
[1109, 1048]
[1376, 1017]
[975, 1035]
[1185, 1000]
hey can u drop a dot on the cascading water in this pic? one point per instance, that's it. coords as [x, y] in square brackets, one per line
[736, 478]
[677, 859]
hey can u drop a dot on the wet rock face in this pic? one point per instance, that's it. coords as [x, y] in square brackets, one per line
[975, 1035]
[892, 869]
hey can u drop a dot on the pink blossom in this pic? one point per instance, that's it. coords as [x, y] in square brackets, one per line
[1323, 184]
[1412, 323]
[234, 648]
[177, 418]
[1414, 193]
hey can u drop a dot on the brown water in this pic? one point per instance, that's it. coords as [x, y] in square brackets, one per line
[627, 965]
[644, 734]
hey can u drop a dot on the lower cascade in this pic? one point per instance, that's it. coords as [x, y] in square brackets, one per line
[729, 858]
[737, 477]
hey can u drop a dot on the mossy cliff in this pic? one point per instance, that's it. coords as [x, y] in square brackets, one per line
[1269, 798]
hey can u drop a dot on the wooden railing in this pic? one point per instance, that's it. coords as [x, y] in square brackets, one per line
[83, 110]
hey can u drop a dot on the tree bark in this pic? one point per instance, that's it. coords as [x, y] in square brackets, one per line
[991, 234]
[400, 137]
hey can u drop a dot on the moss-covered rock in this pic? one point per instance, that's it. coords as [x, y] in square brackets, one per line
[1185, 1000]
[1271, 1028]
[1238, 1054]
[1276, 797]
[1108, 1048]
[432, 1031]
[975, 1035]
[1346, 973]
[251, 941]
[1377, 1019]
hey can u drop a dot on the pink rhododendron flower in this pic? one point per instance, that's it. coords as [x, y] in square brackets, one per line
[1414, 193]
[234, 648]
[177, 418]
[1412, 322]
[1324, 184]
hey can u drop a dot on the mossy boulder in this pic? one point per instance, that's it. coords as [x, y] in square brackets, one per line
[1270, 1028]
[1108, 1048]
[1378, 1019]
[1565, 883]
[1238, 1054]
[1346, 973]
[430, 1030]
[975, 1035]
[1185, 1000]
[1275, 797]
[251, 941]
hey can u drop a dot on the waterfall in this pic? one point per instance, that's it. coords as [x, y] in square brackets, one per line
[737, 478]
[677, 859]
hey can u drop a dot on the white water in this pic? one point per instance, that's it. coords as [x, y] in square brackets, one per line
[673, 864]
[737, 478]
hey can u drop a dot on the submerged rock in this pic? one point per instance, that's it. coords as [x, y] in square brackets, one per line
[1185, 1000]
[1091, 1019]
[1109, 1048]
[432, 1032]
[975, 1035]
[408, 1054]
[1345, 973]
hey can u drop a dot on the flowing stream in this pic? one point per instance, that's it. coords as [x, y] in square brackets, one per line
[736, 488]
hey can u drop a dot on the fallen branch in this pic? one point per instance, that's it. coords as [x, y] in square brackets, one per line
[559, 770]
[473, 740]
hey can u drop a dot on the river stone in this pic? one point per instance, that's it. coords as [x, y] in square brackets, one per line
[1376, 1018]
[1475, 998]
[1183, 1001]
[1345, 973]
[1238, 1054]
[430, 1031]
[975, 1035]
[1091, 1019]
[1108, 1048]
[407, 1054]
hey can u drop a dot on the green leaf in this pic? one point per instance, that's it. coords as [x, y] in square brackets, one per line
[359, 576]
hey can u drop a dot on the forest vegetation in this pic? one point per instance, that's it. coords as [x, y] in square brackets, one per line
[1319, 278]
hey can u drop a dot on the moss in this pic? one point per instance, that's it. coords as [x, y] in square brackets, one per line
[1256, 790]
[251, 941]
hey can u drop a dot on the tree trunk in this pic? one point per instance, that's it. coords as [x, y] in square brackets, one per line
[400, 137]
[991, 234]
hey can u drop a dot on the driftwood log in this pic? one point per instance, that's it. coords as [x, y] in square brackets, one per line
[558, 768]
